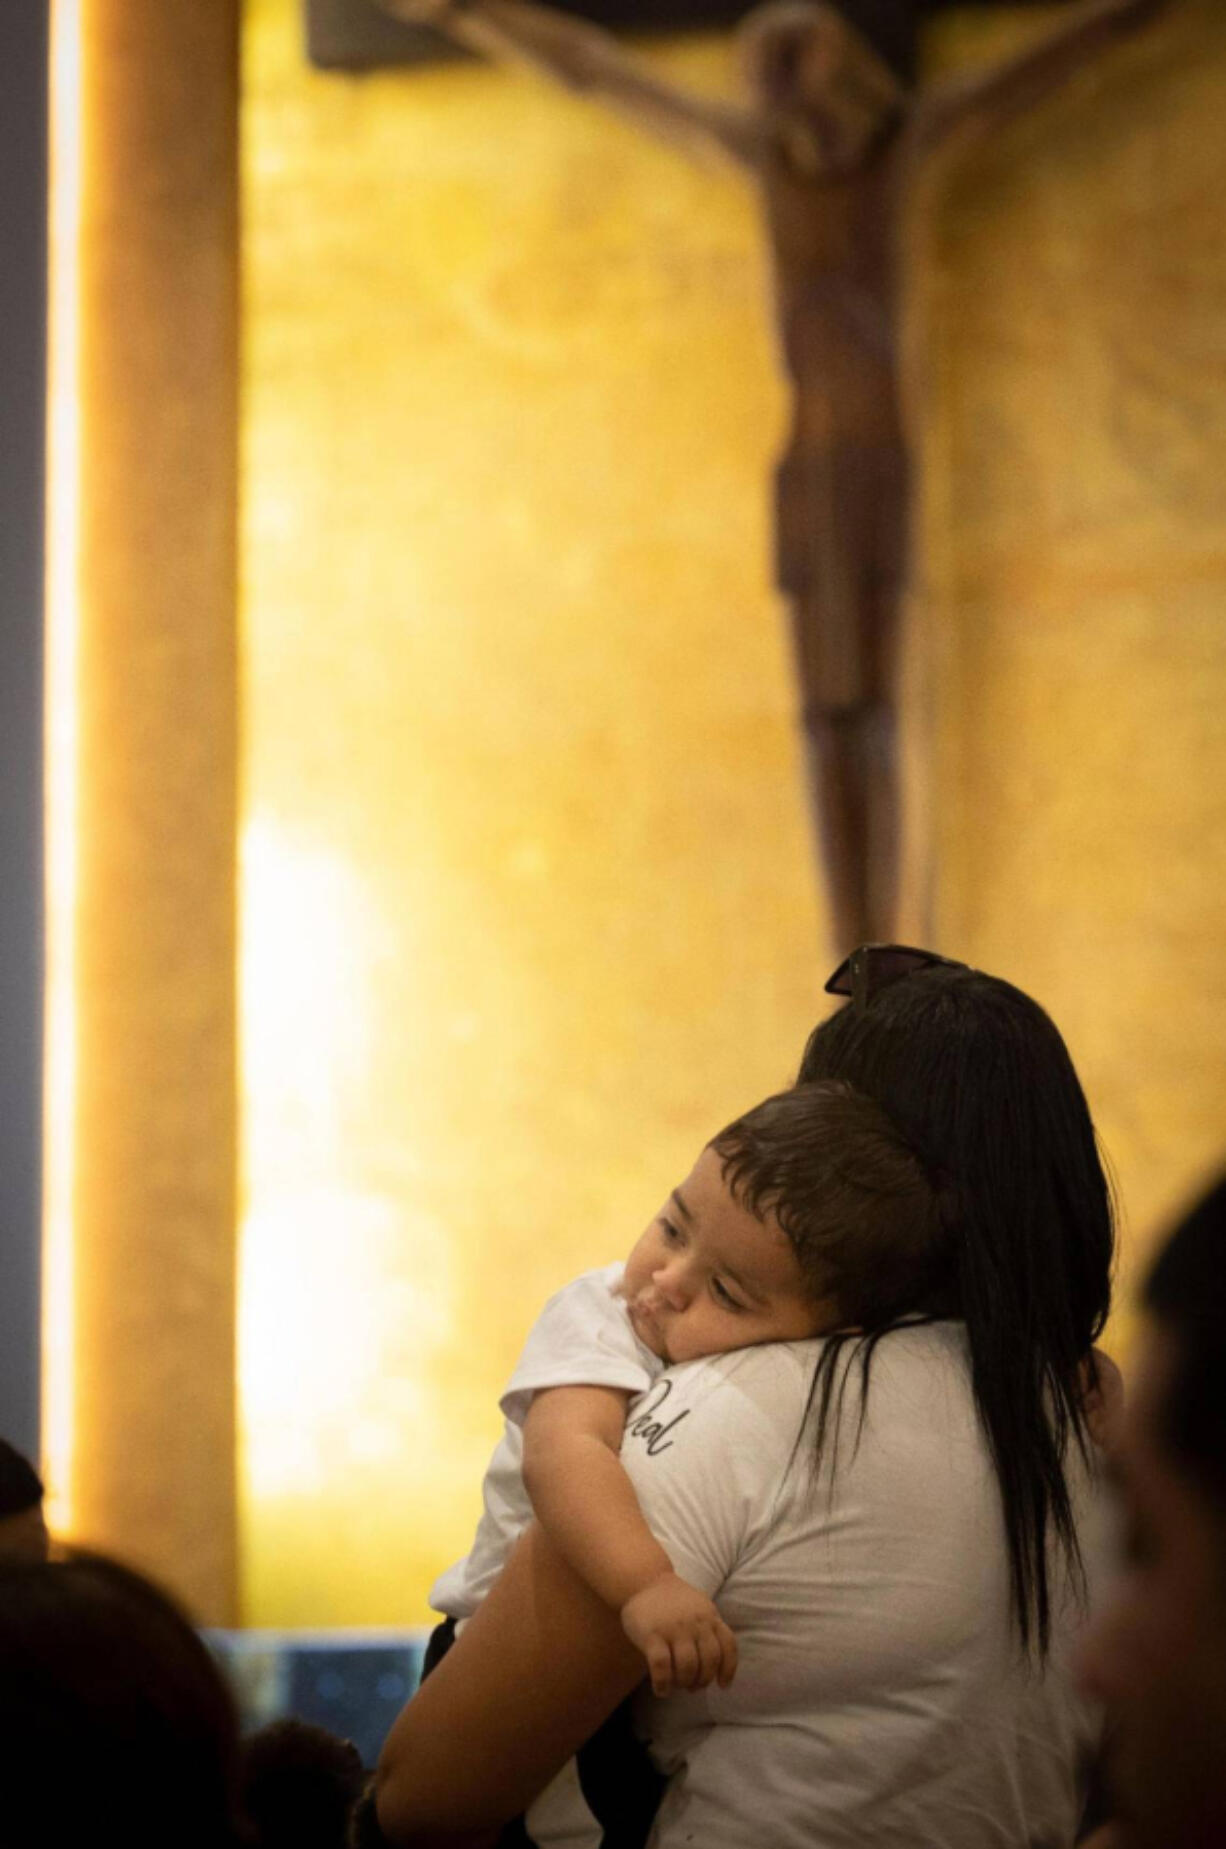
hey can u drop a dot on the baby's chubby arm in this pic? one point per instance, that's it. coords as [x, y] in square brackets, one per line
[586, 1504]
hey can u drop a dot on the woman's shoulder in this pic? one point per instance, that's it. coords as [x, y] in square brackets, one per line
[748, 1381]
[708, 1447]
[772, 1378]
[740, 1411]
[750, 1406]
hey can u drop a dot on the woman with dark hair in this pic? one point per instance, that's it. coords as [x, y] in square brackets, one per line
[114, 1718]
[977, 1078]
[897, 1520]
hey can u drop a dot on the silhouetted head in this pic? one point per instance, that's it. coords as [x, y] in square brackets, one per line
[1156, 1652]
[300, 1784]
[23, 1531]
[828, 92]
[114, 1717]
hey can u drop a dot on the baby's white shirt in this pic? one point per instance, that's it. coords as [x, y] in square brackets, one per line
[582, 1338]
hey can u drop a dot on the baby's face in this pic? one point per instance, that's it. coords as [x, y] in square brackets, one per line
[708, 1275]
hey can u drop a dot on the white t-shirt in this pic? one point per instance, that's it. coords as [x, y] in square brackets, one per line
[881, 1697]
[582, 1338]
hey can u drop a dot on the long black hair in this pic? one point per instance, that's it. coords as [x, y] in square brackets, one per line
[979, 1081]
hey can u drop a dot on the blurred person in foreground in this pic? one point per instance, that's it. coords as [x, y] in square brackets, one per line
[23, 1531]
[115, 1721]
[1156, 1655]
[299, 1785]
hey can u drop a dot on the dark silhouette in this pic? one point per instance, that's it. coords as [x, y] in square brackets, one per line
[115, 1718]
[23, 1531]
[300, 1784]
[1156, 1648]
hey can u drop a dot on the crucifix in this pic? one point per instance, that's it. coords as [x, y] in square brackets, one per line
[835, 143]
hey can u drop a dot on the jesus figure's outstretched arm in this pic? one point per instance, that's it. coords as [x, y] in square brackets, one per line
[583, 58]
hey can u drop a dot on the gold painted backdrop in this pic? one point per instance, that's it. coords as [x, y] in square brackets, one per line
[527, 895]
[528, 901]
[1074, 309]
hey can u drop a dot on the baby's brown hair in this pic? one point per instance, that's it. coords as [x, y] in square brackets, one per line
[856, 1201]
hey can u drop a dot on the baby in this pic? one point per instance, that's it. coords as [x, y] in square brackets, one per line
[793, 1222]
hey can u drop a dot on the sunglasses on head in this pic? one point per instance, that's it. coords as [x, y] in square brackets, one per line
[875, 966]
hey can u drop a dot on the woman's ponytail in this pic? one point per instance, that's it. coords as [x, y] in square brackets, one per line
[976, 1076]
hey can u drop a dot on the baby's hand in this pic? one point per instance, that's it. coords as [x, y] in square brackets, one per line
[680, 1632]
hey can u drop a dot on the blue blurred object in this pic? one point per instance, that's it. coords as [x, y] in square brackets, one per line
[354, 1683]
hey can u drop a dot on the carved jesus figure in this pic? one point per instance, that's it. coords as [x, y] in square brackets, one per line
[834, 142]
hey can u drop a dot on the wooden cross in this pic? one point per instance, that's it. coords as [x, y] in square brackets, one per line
[835, 142]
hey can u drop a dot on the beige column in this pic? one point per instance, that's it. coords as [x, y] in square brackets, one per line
[152, 1473]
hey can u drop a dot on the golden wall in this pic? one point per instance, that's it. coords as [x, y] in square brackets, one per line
[528, 906]
[1073, 301]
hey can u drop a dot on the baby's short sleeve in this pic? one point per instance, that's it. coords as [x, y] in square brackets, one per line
[582, 1338]
[709, 1452]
